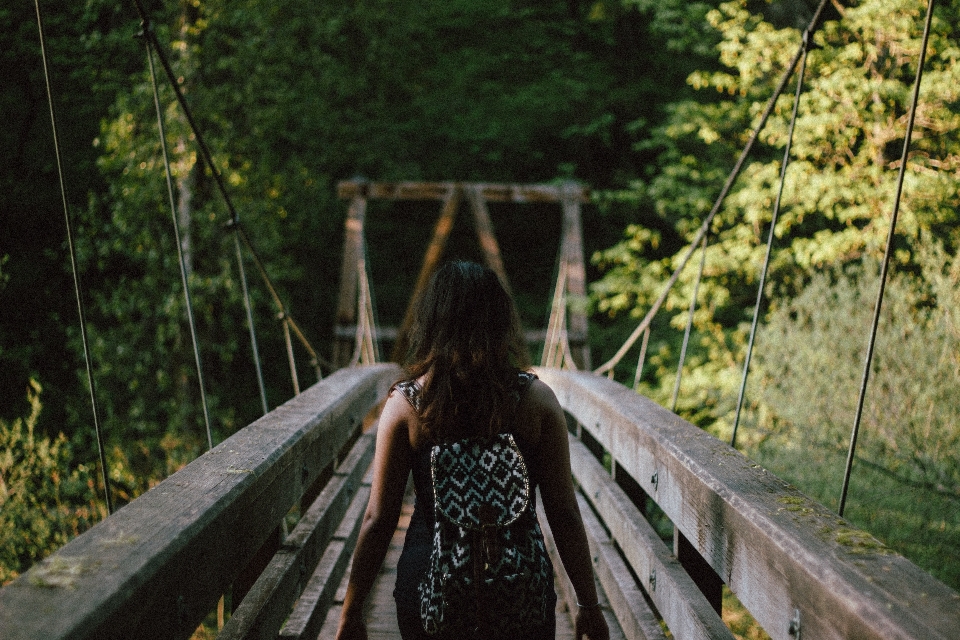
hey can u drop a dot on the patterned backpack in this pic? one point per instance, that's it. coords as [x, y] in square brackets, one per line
[489, 569]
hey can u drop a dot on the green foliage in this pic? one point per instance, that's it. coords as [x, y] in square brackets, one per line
[809, 364]
[839, 189]
[291, 97]
[39, 301]
[44, 500]
[921, 524]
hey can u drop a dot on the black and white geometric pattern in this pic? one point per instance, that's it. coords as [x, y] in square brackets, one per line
[489, 573]
[489, 568]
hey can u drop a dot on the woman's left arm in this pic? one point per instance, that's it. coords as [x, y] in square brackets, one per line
[391, 466]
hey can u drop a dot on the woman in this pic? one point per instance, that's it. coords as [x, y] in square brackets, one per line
[462, 381]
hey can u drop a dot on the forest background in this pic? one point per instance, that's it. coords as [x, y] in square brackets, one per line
[647, 102]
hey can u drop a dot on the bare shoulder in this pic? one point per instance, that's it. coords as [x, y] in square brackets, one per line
[540, 412]
[399, 414]
[541, 398]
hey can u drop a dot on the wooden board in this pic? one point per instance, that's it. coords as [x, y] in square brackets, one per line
[381, 614]
[268, 603]
[685, 610]
[438, 191]
[307, 617]
[353, 250]
[566, 597]
[624, 596]
[156, 567]
[571, 253]
[782, 554]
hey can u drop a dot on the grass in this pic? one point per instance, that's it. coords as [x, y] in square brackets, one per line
[921, 525]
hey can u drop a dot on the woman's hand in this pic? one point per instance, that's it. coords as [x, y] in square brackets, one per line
[591, 623]
[352, 627]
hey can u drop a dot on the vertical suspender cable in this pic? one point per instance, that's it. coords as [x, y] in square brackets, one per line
[218, 179]
[886, 260]
[176, 234]
[76, 275]
[638, 374]
[773, 226]
[234, 221]
[705, 226]
[686, 332]
[290, 359]
[249, 308]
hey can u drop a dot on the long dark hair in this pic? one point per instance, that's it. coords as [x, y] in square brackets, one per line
[467, 338]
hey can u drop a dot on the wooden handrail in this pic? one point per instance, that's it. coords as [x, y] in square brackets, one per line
[796, 566]
[156, 567]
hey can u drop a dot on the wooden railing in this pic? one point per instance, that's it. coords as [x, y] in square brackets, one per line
[800, 570]
[157, 567]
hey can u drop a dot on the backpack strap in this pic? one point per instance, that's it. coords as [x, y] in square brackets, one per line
[412, 391]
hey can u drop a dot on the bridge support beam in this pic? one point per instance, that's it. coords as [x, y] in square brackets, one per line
[353, 251]
[569, 195]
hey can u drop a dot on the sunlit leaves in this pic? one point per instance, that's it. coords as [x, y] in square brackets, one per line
[839, 192]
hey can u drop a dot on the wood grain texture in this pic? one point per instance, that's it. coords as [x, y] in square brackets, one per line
[157, 566]
[778, 551]
[680, 603]
[307, 617]
[566, 596]
[264, 609]
[517, 193]
[353, 251]
[571, 253]
[622, 592]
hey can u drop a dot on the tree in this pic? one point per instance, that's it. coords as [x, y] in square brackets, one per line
[45, 500]
[839, 188]
[39, 296]
[809, 369]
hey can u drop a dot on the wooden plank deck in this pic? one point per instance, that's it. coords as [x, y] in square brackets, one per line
[381, 613]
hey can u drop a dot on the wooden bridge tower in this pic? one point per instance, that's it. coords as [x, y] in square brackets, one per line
[568, 323]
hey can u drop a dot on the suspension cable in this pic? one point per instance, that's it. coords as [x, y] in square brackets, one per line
[886, 259]
[773, 225]
[248, 306]
[689, 327]
[638, 374]
[705, 226]
[290, 359]
[218, 179]
[176, 233]
[76, 275]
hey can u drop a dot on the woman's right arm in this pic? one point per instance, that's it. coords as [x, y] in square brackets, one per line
[391, 466]
[563, 513]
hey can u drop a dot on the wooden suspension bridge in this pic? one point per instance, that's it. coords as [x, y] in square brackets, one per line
[157, 567]
[270, 515]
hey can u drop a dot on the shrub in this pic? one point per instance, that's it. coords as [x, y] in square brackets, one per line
[44, 501]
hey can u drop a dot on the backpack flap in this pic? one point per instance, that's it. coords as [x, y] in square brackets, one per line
[480, 484]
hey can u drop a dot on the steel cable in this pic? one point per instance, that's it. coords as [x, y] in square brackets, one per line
[886, 260]
[773, 225]
[176, 233]
[76, 275]
[218, 179]
[234, 222]
[689, 327]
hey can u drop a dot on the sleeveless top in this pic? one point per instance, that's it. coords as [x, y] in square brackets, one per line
[415, 558]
